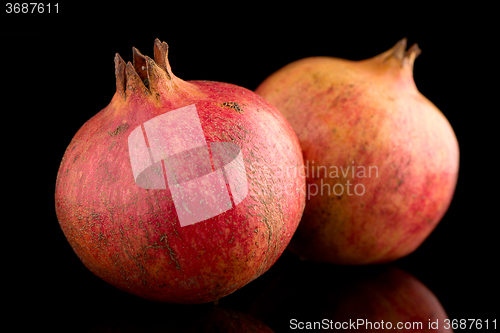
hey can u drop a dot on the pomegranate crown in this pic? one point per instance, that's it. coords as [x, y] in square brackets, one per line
[145, 74]
[398, 52]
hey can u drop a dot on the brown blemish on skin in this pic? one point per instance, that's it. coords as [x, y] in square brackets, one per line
[119, 129]
[170, 251]
[400, 181]
[233, 105]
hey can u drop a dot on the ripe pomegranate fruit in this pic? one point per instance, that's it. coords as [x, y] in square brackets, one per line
[381, 160]
[173, 192]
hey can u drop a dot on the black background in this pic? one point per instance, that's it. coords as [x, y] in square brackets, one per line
[58, 71]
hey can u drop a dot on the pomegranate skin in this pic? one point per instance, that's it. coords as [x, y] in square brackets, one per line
[367, 116]
[131, 236]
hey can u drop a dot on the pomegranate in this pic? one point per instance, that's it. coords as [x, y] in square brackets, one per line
[364, 298]
[174, 192]
[381, 160]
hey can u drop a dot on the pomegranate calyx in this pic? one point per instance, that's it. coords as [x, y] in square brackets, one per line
[139, 62]
[145, 74]
[410, 55]
[121, 82]
[398, 50]
[161, 57]
[133, 81]
[399, 55]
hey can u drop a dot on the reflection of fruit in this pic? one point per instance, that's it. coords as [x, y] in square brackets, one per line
[218, 143]
[313, 292]
[382, 160]
[211, 319]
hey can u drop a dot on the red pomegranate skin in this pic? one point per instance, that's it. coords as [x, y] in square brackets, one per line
[368, 117]
[131, 237]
